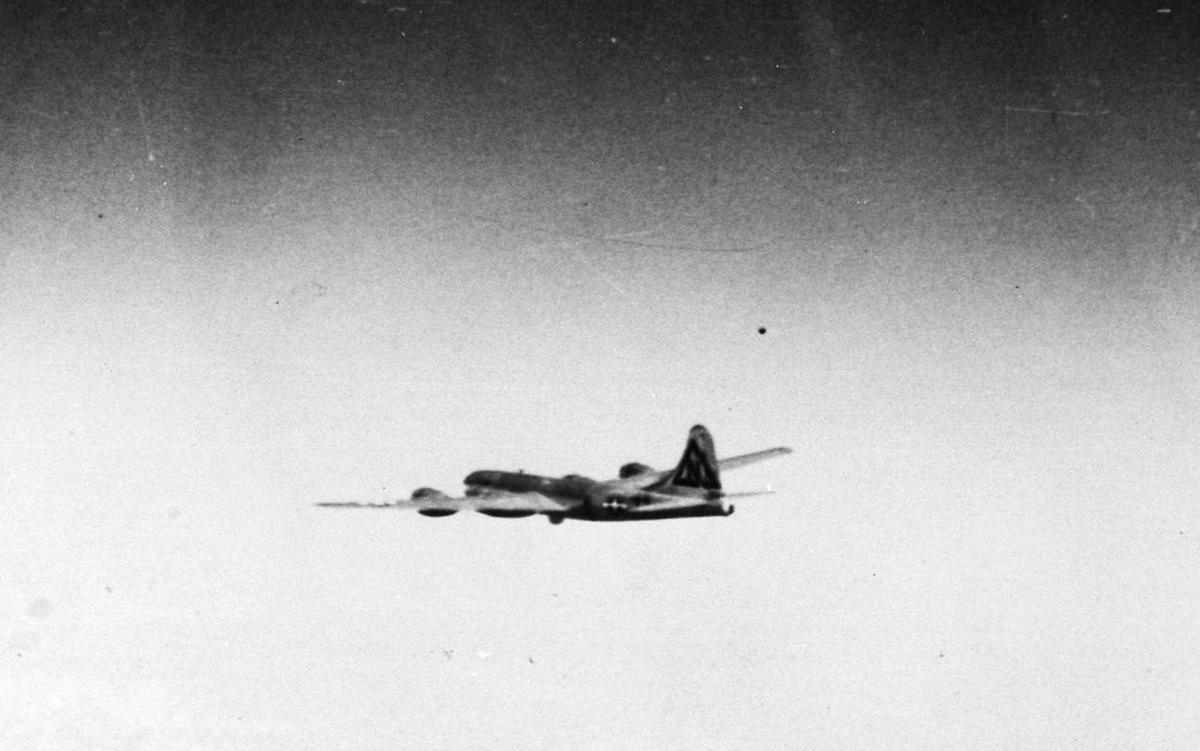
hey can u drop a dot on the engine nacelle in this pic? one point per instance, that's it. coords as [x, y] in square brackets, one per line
[633, 469]
[437, 511]
[434, 495]
[505, 513]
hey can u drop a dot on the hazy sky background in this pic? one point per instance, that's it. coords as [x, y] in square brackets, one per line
[252, 259]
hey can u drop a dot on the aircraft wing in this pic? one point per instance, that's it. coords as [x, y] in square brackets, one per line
[505, 501]
[644, 480]
[497, 502]
[402, 504]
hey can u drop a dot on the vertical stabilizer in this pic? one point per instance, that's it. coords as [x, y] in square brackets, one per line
[698, 466]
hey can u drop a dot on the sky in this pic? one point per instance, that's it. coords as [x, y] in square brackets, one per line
[256, 258]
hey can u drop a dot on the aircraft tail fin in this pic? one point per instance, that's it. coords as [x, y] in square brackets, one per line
[697, 467]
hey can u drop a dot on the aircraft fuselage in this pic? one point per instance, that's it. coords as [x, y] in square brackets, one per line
[600, 501]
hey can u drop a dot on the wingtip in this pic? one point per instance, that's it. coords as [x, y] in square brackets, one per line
[355, 504]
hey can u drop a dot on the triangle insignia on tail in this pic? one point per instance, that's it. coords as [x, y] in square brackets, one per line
[698, 465]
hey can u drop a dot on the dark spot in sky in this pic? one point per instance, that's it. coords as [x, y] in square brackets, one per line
[99, 216]
[762, 329]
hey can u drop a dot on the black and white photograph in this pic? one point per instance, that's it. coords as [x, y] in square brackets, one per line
[603, 375]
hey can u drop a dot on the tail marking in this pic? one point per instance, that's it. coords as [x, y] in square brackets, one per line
[698, 466]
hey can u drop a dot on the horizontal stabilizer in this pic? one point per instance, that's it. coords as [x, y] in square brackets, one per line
[748, 493]
[735, 462]
[659, 502]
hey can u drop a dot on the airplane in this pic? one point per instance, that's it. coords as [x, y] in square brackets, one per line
[638, 493]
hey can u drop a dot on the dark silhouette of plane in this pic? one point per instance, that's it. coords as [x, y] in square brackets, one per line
[639, 492]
